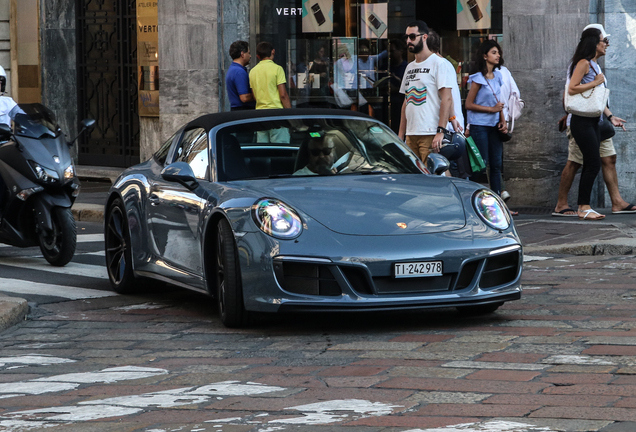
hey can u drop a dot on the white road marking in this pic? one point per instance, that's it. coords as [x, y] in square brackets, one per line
[126, 405]
[18, 286]
[530, 258]
[576, 360]
[72, 268]
[312, 414]
[110, 375]
[58, 383]
[325, 412]
[495, 365]
[488, 426]
[81, 238]
[34, 359]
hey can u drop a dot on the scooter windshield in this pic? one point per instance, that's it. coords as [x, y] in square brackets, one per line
[37, 122]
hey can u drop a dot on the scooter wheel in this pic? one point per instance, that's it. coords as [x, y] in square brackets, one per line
[58, 246]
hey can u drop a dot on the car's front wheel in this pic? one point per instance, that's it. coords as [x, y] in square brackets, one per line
[118, 251]
[229, 289]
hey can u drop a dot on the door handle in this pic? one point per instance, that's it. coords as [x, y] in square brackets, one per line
[154, 200]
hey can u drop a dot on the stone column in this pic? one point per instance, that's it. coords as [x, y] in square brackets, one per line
[620, 63]
[539, 40]
[58, 61]
[188, 66]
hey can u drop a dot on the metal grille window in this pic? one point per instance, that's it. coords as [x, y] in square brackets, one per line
[107, 81]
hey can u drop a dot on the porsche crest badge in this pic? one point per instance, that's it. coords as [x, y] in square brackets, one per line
[402, 225]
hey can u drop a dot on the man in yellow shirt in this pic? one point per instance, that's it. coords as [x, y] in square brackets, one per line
[267, 80]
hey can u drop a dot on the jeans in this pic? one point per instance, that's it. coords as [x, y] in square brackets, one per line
[491, 148]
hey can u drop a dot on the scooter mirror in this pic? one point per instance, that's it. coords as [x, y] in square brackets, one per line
[5, 131]
[88, 124]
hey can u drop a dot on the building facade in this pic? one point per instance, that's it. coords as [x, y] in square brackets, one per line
[328, 49]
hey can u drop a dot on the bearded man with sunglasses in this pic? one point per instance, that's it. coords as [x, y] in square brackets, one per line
[321, 157]
[428, 95]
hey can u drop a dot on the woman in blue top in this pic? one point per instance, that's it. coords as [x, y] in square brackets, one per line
[485, 109]
[585, 74]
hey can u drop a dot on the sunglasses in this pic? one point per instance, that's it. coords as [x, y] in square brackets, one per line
[606, 41]
[325, 151]
[413, 36]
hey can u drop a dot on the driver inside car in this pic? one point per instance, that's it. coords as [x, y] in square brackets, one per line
[321, 157]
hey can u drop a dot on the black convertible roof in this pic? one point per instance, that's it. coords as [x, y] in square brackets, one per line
[210, 121]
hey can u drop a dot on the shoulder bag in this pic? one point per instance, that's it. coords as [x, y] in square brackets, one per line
[504, 137]
[590, 103]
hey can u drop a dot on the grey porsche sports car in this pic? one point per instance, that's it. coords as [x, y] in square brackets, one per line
[308, 210]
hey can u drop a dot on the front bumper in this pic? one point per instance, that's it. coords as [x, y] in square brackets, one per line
[283, 277]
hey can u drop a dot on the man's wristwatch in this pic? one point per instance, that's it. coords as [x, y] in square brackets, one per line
[440, 130]
[609, 117]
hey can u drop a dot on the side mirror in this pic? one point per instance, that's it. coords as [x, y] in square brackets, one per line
[180, 172]
[5, 131]
[87, 124]
[437, 164]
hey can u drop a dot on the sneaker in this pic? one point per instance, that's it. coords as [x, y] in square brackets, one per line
[505, 196]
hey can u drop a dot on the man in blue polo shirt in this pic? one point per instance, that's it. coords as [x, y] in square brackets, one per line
[237, 80]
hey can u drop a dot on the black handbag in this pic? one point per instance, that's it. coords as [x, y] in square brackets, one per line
[607, 129]
[504, 137]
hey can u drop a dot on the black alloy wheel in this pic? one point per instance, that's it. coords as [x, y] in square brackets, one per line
[229, 293]
[118, 250]
[58, 246]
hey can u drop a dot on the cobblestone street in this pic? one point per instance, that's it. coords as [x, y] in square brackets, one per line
[561, 359]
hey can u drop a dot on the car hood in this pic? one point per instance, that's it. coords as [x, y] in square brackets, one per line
[403, 204]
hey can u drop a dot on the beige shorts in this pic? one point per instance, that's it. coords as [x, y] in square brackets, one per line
[420, 144]
[575, 155]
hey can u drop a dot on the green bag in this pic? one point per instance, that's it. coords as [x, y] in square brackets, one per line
[477, 163]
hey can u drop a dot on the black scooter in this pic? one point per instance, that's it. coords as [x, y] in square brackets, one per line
[40, 184]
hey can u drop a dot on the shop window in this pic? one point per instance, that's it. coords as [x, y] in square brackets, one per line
[350, 54]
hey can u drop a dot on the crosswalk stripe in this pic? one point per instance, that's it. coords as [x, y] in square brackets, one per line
[72, 268]
[81, 238]
[17, 286]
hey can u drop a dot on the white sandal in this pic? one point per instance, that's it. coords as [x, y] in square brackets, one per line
[587, 213]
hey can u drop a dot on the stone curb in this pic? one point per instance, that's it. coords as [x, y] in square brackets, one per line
[620, 246]
[88, 212]
[12, 311]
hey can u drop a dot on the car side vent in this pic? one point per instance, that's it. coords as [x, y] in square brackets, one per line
[357, 279]
[500, 270]
[467, 275]
[306, 279]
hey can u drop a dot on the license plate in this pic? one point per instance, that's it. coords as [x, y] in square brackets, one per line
[418, 269]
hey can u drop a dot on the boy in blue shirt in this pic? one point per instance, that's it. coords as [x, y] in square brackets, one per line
[237, 80]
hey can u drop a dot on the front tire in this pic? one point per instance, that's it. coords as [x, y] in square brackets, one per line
[118, 248]
[229, 289]
[58, 246]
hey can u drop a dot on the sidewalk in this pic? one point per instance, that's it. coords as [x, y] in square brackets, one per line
[540, 233]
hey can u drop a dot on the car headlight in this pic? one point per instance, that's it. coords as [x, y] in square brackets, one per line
[69, 172]
[491, 209]
[277, 219]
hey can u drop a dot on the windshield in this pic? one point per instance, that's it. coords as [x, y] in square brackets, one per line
[309, 147]
[36, 122]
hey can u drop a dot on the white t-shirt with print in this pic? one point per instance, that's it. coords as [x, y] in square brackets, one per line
[457, 97]
[421, 85]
